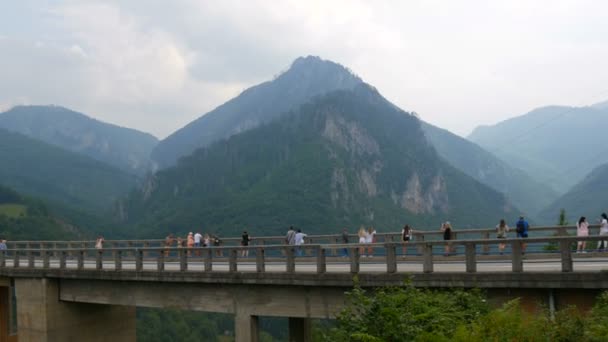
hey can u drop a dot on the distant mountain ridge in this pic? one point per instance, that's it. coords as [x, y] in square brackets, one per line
[555, 145]
[529, 195]
[588, 198]
[346, 158]
[35, 168]
[125, 148]
[306, 78]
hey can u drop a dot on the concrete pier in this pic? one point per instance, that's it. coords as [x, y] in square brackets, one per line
[42, 317]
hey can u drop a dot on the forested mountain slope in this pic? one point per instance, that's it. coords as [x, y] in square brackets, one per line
[528, 194]
[345, 159]
[35, 168]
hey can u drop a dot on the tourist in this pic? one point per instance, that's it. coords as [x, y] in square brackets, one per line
[207, 241]
[169, 240]
[501, 233]
[180, 242]
[190, 243]
[245, 238]
[345, 241]
[446, 228]
[3, 245]
[582, 229]
[197, 242]
[361, 235]
[521, 228]
[99, 242]
[370, 238]
[299, 241]
[406, 235]
[217, 243]
[602, 244]
[290, 238]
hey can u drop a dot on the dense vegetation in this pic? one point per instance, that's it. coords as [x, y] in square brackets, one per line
[410, 314]
[28, 219]
[526, 193]
[555, 145]
[123, 148]
[346, 159]
[589, 198]
[51, 173]
[307, 77]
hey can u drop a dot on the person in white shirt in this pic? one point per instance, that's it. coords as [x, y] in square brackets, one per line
[198, 237]
[602, 244]
[370, 237]
[299, 240]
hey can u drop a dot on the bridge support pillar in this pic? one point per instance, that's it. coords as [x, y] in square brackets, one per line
[42, 317]
[300, 329]
[246, 327]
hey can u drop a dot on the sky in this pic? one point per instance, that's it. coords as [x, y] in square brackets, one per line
[156, 65]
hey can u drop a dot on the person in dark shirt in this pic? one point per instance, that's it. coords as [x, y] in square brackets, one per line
[245, 243]
[521, 228]
[345, 241]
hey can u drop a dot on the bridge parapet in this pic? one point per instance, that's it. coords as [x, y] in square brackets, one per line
[390, 257]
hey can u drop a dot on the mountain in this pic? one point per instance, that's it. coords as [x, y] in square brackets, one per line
[307, 77]
[347, 158]
[35, 168]
[588, 198]
[23, 218]
[529, 195]
[121, 147]
[555, 145]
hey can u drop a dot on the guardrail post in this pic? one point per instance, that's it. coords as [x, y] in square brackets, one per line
[30, 258]
[321, 260]
[3, 258]
[46, 262]
[334, 251]
[208, 259]
[290, 266]
[516, 257]
[146, 246]
[80, 264]
[232, 256]
[355, 260]
[62, 256]
[160, 261]
[420, 237]
[183, 260]
[427, 254]
[16, 258]
[486, 247]
[99, 259]
[118, 260]
[566, 253]
[55, 254]
[471, 257]
[391, 258]
[139, 260]
[260, 266]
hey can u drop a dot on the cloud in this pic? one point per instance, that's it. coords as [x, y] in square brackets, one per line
[155, 66]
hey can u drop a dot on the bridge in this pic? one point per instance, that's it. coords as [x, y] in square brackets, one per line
[70, 291]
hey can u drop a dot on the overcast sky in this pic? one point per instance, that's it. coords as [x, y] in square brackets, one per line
[155, 65]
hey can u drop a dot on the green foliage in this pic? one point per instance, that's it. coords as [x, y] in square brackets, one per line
[169, 325]
[405, 314]
[13, 210]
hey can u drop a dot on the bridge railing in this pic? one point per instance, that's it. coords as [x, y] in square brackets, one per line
[327, 239]
[388, 257]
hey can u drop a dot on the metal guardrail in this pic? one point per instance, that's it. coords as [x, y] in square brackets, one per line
[286, 257]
